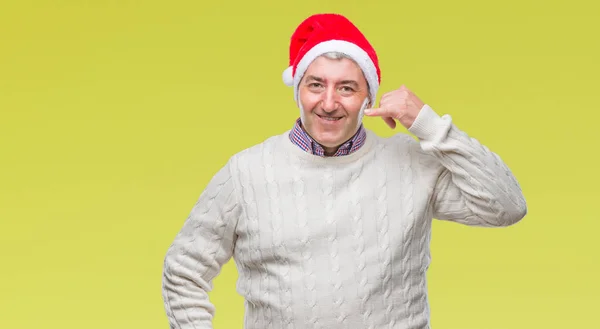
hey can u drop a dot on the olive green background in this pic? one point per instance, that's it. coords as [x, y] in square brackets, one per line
[114, 115]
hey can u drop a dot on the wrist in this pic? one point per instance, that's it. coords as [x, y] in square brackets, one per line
[407, 121]
[428, 124]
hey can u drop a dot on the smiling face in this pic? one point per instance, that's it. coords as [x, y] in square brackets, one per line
[332, 95]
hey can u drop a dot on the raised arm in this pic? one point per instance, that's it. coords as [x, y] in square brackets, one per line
[200, 249]
[475, 187]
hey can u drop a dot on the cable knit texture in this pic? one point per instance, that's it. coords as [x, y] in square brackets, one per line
[335, 242]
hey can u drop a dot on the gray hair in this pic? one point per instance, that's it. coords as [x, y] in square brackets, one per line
[339, 55]
[336, 55]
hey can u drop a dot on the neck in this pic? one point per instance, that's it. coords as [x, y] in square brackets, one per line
[329, 150]
[309, 158]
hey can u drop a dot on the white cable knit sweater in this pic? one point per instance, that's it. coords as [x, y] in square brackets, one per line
[335, 242]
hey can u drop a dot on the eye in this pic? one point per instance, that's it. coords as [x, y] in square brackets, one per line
[315, 87]
[346, 89]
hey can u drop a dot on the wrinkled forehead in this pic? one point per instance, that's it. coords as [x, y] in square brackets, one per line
[337, 70]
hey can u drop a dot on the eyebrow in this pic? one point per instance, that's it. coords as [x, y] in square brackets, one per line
[343, 82]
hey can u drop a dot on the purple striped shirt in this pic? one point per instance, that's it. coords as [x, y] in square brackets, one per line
[299, 137]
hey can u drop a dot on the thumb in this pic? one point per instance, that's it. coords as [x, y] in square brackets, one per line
[372, 111]
[377, 111]
[381, 112]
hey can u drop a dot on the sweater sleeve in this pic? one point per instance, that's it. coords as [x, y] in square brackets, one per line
[475, 187]
[200, 249]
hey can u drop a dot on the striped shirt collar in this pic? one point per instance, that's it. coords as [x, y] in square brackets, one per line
[299, 137]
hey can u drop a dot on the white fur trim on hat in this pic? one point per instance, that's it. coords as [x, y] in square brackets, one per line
[352, 50]
[287, 76]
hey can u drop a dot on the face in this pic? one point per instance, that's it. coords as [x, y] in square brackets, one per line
[331, 95]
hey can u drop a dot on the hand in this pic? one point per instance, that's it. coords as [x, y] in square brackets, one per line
[400, 104]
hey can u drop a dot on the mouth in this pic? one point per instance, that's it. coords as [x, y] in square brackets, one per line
[330, 118]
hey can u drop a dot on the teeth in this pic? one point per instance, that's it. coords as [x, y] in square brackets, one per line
[330, 118]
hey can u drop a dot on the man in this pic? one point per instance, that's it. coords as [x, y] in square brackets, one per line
[329, 224]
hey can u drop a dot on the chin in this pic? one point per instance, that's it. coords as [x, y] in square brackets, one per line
[331, 135]
[329, 138]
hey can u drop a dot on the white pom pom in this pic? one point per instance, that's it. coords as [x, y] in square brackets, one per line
[288, 79]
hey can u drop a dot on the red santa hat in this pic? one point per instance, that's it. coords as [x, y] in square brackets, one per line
[322, 33]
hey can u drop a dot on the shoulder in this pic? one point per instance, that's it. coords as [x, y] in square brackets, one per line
[258, 151]
[399, 143]
[402, 147]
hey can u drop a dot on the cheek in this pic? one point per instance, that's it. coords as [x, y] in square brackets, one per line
[308, 100]
[355, 108]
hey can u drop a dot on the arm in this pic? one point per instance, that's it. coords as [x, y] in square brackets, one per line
[198, 252]
[475, 187]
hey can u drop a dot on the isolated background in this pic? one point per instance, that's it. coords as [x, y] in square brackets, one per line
[114, 115]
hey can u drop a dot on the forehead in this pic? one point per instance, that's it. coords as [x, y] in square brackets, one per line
[335, 69]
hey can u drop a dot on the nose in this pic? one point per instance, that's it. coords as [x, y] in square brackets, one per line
[329, 102]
